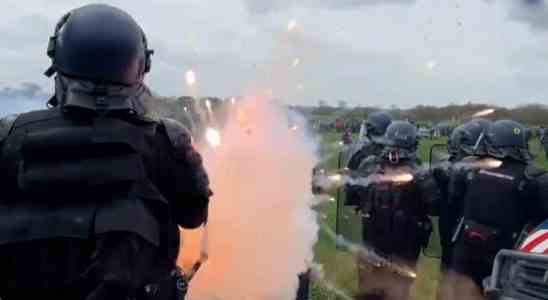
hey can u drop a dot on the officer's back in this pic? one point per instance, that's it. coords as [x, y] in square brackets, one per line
[496, 200]
[93, 190]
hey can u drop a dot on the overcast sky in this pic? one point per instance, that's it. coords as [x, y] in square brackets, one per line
[367, 52]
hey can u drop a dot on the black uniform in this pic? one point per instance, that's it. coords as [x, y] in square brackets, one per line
[464, 143]
[91, 204]
[93, 191]
[376, 125]
[395, 213]
[496, 203]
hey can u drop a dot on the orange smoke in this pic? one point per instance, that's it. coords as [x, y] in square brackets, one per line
[261, 228]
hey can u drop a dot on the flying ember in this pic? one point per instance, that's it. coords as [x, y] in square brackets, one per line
[190, 78]
[483, 113]
[213, 137]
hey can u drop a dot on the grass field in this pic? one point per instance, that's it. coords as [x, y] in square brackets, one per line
[340, 266]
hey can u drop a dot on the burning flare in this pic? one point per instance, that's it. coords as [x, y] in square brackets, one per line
[483, 113]
[213, 137]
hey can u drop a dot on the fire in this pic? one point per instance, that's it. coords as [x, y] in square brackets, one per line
[397, 178]
[483, 113]
[213, 137]
[489, 163]
[190, 78]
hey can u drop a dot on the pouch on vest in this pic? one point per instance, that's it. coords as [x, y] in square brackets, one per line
[480, 236]
[78, 159]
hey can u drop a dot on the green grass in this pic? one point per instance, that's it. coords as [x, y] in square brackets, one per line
[340, 266]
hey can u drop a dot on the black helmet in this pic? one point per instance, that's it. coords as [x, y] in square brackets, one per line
[507, 138]
[99, 43]
[469, 138]
[454, 141]
[400, 141]
[377, 123]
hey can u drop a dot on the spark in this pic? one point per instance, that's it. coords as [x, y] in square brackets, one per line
[190, 78]
[398, 178]
[335, 178]
[208, 105]
[296, 62]
[295, 127]
[488, 163]
[332, 199]
[185, 108]
[291, 25]
[213, 137]
[483, 113]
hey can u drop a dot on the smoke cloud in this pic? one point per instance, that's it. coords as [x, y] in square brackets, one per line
[261, 228]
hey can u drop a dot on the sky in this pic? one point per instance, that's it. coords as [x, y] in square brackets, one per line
[364, 52]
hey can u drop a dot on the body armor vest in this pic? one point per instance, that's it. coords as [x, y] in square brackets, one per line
[396, 217]
[494, 199]
[76, 176]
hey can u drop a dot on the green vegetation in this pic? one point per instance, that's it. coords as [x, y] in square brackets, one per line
[340, 266]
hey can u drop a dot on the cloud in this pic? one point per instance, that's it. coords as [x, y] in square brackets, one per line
[22, 97]
[265, 7]
[531, 12]
[25, 90]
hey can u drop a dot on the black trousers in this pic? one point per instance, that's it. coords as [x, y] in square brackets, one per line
[112, 266]
[474, 262]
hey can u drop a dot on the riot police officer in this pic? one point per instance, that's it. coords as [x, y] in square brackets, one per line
[395, 204]
[496, 201]
[93, 190]
[464, 143]
[376, 125]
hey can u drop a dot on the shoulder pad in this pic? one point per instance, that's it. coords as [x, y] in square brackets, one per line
[534, 171]
[178, 134]
[6, 124]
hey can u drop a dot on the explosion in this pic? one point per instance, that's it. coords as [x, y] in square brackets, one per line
[261, 184]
